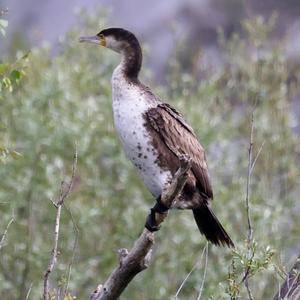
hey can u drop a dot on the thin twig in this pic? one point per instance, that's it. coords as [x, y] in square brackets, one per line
[204, 272]
[189, 274]
[29, 291]
[256, 157]
[64, 192]
[251, 166]
[250, 228]
[247, 271]
[76, 230]
[54, 254]
[247, 274]
[5, 232]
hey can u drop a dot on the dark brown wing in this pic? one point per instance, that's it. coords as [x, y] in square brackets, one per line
[180, 138]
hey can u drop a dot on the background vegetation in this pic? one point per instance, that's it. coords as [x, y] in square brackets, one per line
[50, 103]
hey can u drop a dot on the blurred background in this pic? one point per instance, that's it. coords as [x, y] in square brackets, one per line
[218, 62]
[198, 21]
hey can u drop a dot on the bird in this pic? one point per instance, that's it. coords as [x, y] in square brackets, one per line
[154, 135]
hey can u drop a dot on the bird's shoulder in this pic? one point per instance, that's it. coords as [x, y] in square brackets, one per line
[174, 130]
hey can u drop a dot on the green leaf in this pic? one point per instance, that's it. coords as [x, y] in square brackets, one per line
[3, 68]
[16, 75]
[4, 152]
[6, 82]
[2, 148]
[15, 154]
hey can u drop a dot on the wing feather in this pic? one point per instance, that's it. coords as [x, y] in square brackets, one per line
[180, 138]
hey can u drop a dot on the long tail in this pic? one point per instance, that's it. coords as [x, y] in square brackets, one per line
[210, 226]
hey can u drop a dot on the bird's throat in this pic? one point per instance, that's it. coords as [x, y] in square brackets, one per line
[132, 61]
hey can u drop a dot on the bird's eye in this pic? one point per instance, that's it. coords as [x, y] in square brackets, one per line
[101, 36]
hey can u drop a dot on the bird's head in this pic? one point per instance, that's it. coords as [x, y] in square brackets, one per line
[121, 41]
[117, 39]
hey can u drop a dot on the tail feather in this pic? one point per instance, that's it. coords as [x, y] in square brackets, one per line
[210, 226]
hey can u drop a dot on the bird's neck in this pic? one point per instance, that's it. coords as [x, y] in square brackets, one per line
[131, 62]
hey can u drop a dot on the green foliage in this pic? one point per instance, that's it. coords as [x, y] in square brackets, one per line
[10, 76]
[66, 100]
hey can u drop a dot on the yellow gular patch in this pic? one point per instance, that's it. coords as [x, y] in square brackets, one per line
[102, 41]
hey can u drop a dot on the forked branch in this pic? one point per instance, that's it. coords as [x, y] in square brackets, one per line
[64, 193]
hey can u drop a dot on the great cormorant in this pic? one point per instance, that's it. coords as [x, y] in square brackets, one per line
[154, 134]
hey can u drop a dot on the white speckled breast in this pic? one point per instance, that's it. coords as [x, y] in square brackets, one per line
[129, 104]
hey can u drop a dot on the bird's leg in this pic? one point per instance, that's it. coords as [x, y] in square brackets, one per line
[159, 210]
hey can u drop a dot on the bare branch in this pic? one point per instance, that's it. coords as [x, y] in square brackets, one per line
[64, 192]
[290, 289]
[246, 281]
[192, 270]
[54, 254]
[76, 231]
[137, 259]
[174, 189]
[29, 291]
[250, 228]
[5, 232]
[204, 272]
[256, 157]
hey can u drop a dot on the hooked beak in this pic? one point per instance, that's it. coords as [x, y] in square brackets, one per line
[93, 40]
